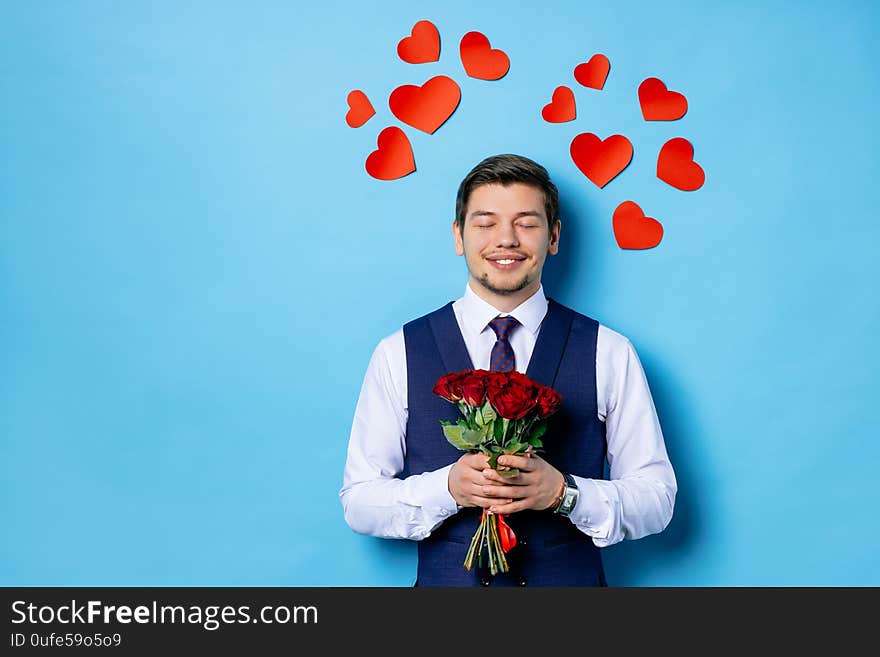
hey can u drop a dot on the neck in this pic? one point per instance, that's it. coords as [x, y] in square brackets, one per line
[504, 302]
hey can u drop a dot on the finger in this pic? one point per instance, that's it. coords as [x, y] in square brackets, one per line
[493, 493]
[509, 492]
[486, 502]
[509, 507]
[477, 461]
[477, 490]
[524, 463]
[494, 476]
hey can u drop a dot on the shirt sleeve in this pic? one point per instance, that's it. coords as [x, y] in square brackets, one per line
[375, 500]
[638, 498]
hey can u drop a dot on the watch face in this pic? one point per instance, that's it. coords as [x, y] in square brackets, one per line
[569, 497]
[567, 502]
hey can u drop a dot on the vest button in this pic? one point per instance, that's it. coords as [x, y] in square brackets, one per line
[485, 581]
[522, 581]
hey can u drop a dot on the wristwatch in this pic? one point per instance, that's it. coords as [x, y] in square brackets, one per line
[569, 497]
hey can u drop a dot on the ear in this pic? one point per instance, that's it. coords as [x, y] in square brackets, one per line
[456, 235]
[553, 247]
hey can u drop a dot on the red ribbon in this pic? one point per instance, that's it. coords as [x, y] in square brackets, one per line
[508, 538]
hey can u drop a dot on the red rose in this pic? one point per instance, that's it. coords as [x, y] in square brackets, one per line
[513, 399]
[485, 375]
[549, 401]
[473, 389]
[516, 378]
[496, 379]
[449, 386]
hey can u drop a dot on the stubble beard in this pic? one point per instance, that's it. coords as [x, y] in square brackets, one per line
[505, 291]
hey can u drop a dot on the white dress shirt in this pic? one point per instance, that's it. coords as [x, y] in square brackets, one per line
[636, 501]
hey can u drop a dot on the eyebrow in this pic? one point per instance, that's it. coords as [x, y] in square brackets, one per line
[487, 213]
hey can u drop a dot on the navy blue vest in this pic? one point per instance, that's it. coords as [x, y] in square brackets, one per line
[550, 550]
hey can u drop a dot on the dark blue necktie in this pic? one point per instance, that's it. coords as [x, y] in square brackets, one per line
[502, 359]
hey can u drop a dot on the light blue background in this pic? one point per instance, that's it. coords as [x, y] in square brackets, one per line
[188, 236]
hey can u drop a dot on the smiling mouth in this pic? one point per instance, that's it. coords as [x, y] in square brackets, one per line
[506, 264]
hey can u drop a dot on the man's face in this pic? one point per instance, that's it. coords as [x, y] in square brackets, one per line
[506, 239]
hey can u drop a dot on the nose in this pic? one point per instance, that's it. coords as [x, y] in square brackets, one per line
[507, 235]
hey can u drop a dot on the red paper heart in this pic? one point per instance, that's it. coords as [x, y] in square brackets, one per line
[480, 60]
[394, 157]
[660, 104]
[427, 107]
[360, 109]
[561, 108]
[593, 73]
[422, 46]
[633, 230]
[598, 160]
[676, 166]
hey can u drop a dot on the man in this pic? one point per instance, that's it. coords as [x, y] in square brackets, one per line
[403, 480]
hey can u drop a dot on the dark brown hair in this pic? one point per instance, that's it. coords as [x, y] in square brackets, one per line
[506, 170]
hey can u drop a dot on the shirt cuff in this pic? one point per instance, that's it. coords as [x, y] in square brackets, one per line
[437, 498]
[592, 513]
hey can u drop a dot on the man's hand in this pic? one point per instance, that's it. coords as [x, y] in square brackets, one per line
[537, 486]
[467, 482]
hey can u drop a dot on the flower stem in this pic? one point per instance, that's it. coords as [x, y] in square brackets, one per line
[472, 550]
[487, 537]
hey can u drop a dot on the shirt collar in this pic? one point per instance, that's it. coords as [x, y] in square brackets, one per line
[477, 313]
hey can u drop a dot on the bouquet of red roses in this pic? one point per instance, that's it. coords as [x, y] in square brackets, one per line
[502, 413]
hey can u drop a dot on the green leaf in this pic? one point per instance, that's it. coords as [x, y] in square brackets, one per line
[499, 431]
[472, 438]
[516, 448]
[453, 434]
[493, 461]
[536, 442]
[509, 473]
[538, 430]
[445, 423]
[458, 437]
[489, 412]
